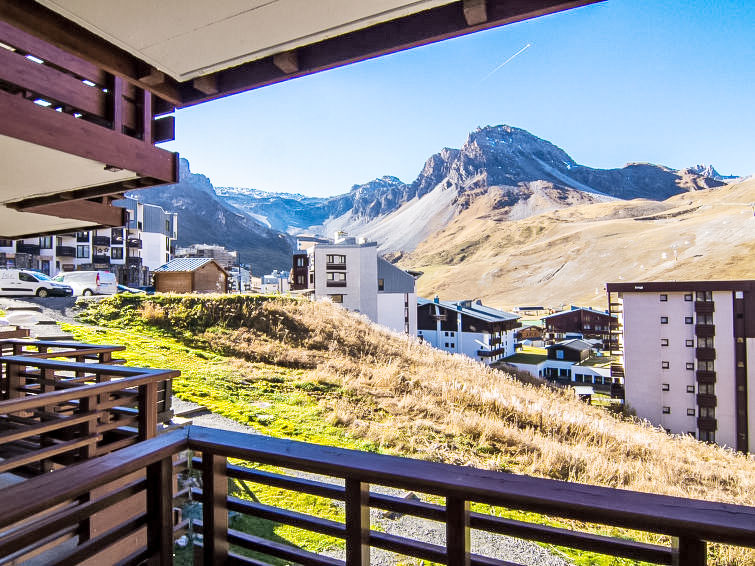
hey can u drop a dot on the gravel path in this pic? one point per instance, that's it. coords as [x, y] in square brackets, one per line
[495, 546]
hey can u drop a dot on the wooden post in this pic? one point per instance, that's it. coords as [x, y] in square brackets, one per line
[689, 551]
[214, 509]
[89, 428]
[117, 102]
[357, 523]
[160, 512]
[147, 411]
[457, 532]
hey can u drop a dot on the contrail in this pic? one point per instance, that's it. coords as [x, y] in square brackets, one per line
[522, 50]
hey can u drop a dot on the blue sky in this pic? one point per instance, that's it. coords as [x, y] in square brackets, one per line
[669, 82]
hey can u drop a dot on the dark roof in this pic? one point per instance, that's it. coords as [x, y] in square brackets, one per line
[187, 264]
[574, 344]
[588, 309]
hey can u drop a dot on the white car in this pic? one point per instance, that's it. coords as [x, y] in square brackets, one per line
[26, 282]
[89, 282]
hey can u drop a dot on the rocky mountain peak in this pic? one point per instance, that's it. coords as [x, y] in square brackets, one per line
[704, 171]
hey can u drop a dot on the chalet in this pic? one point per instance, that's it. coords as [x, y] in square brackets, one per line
[86, 93]
[578, 322]
[467, 327]
[191, 275]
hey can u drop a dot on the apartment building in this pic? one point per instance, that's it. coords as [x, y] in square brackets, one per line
[132, 252]
[686, 350]
[349, 272]
[467, 327]
[577, 321]
[225, 258]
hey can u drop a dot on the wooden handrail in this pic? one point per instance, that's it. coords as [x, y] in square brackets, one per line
[63, 344]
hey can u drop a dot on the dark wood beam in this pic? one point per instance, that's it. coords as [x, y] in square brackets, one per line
[86, 210]
[68, 36]
[207, 84]
[422, 28]
[24, 120]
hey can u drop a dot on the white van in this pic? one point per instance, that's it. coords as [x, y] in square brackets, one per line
[89, 282]
[26, 282]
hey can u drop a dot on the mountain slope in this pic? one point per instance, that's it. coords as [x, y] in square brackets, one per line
[567, 255]
[511, 162]
[203, 218]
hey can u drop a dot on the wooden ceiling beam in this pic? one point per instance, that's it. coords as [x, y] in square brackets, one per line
[288, 62]
[86, 210]
[475, 12]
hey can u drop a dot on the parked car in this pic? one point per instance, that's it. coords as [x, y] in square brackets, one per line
[89, 282]
[25, 282]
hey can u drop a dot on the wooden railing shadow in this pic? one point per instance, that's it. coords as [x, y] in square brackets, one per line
[146, 473]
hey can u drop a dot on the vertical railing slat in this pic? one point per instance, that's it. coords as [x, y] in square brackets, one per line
[147, 411]
[357, 523]
[160, 511]
[457, 532]
[689, 551]
[214, 509]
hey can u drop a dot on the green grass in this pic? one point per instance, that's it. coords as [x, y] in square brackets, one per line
[521, 358]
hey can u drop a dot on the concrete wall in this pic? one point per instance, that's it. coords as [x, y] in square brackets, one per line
[392, 311]
[154, 250]
[723, 318]
[750, 343]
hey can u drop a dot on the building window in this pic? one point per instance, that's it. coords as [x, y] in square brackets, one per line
[665, 387]
[336, 259]
[705, 342]
[664, 297]
[688, 320]
[690, 412]
[82, 236]
[705, 318]
[82, 252]
[45, 242]
[689, 343]
[301, 261]
[116, 253]
[664, 365]
[690, 365]
[336, 298]
[666, 410]
[705, 365]
[690, 389]
[559, 354]
[664, 341]
[739, 295]
[707, 436]
[446, 345]
[445, 333]
[381, 284]
[664, 320]
[706, 296]
[706, 388]
[688, 296]
[335, 276]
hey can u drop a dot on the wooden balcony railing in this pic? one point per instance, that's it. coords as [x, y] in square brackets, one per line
[61, 412]
[148, 469]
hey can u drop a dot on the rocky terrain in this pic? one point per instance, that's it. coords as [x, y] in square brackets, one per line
[206, 219]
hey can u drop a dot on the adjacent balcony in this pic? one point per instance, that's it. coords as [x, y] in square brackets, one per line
[706, 400]
[82, 237]
[490, 353]
[6, 243]
[103, 241]
[336, 266]
[101, 259]
[704, 376]
[705, 330]
[707, 424]
[65, 251]
[706, 354]
[134, 243]
[704, 307]
[335, 284]
[23, 248]
[116, 236]
[134, 261]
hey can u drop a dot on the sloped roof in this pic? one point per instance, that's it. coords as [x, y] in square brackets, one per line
[186, 264]
[476, 310]
[574, 344]
[588, 309]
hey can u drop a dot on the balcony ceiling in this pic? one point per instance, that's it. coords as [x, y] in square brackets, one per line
[190, 38]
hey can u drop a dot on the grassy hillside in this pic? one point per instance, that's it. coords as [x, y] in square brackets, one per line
[567, 256]
[315, 372]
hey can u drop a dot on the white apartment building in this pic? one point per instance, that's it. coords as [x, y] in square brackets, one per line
[350, 273]
[132, 252]
[686, 349]
[467, 327]
[275, 282]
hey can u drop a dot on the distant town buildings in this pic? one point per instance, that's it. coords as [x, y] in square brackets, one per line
[349, 272]
[132, 252]
[467, 327]
[686, 350]
[225, 258]
[577, 322]
[275, 282]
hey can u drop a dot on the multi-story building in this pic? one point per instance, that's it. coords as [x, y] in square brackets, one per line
[577, 322]
[467, 327]
[225, 258]
[350, 273]
[132, 252]
[686, 349]
[275, 282]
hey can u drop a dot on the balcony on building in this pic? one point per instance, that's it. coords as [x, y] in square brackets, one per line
[103, 241]
[704, 376]
[705, 353]
[24, 248]
[134, 261]
[82, 237]
[6, 243]
[134, 243]
[704, 307]
[101, 259]
[706, 400]
[116, 236]
[705, 330]
[708, 424]
[65, 251]
[335, 284]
